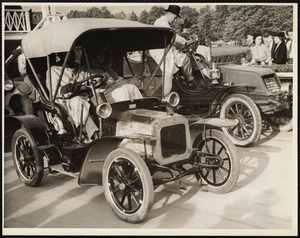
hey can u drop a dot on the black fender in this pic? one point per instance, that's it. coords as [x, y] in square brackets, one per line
[227, 91]
[232, 89]
[32, 124]
[91, 170]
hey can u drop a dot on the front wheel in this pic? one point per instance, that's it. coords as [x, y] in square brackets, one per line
[28, 162]
[222, 164]
[243, 109]
[127, 185]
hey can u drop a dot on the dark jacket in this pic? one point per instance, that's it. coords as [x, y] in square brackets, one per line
[279, 55]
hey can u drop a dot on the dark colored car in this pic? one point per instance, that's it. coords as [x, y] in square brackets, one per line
[273, 98]
[205, 99]
[251, 95]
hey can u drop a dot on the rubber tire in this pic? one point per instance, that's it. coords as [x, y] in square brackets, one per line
[38, 159]
[255, 113]
[277, 127]
[231, 152]
[146, 179]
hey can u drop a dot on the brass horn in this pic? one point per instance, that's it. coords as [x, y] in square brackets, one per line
[104, 110]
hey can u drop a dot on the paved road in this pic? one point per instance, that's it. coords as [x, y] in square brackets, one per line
[263, 201]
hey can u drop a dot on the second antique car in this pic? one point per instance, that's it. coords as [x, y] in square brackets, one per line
[252, 95]
[206, 99]
[139, 139]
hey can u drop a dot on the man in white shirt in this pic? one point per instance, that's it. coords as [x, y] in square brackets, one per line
[174, 59]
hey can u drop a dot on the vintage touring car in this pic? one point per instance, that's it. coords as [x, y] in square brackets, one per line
[139, 139]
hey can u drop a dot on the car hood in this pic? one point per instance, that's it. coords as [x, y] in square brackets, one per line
[257, 69]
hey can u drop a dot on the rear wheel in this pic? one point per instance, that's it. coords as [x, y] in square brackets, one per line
[28, 162]
[128, 185]
[280, 121]
[223, 165]
[243, 109]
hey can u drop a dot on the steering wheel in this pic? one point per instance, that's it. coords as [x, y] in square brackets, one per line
[97, 80]
[191, 45]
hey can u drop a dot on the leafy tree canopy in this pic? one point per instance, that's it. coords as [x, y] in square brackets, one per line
[227, 22]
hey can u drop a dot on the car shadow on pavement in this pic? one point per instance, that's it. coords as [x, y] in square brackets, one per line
[170, 200]
[40, 211]
[255, 158]
[266, 135]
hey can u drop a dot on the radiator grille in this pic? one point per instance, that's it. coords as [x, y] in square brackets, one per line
[173, 140]
[272, 84]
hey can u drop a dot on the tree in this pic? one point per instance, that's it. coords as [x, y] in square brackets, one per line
[205, 22]
[244, 20]
[77, 14]
[219, 17]
[95, 12]
[143, 18]
[132, 16]
[120, 15]
[190, 14]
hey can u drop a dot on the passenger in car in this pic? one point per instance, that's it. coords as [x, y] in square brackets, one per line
[117, 89]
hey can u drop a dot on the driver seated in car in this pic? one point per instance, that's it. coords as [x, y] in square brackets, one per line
[76, 98]
[69, 96]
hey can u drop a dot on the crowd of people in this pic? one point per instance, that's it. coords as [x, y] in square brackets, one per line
[278, 51]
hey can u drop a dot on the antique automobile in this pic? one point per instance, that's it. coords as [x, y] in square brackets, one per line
[252, 95]
[206, 99]
[141, 142]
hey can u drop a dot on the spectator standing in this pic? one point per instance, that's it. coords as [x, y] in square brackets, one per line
[174, 59]
[260, 53]
[279, 54]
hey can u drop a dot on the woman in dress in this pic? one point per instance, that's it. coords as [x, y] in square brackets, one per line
[261, 54]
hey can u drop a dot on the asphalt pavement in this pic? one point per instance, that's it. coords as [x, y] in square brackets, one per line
[263, 202]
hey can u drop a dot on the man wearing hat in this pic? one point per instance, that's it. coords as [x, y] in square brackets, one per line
[174, 59]
[279, 53]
